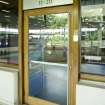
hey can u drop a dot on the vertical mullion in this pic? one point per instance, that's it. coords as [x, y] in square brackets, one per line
[20, 49]
[26, 88]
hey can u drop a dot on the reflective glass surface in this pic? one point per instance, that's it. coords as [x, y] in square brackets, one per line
[93, 37]
[48, 47]
[9, 31]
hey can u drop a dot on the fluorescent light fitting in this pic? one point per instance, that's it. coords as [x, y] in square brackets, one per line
[5, 11]
[7, 16]
[4, 2]
[88, 29]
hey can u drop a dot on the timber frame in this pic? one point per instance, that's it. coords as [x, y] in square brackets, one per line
[73, 55]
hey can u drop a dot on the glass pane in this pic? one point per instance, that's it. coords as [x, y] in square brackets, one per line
[48, 35]
[93, 38]
[48, 82]
[92, 2]
[48, 46]
[9, 32]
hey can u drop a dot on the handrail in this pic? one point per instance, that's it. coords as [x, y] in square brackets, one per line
[49, 63]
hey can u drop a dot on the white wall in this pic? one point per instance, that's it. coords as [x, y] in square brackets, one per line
[31, 4]
[87, 95]
[8, 87]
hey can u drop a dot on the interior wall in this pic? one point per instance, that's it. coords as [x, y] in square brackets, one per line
[87, 95]
[8, 88]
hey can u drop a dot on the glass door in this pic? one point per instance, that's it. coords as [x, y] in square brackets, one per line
[47, 67]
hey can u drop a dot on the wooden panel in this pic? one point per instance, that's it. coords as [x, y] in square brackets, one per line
[61, 9]
[26, 58]
[5, 64]
[74, 53]
[36, 101]
[20, 48]
[92, 77]
[9, 65]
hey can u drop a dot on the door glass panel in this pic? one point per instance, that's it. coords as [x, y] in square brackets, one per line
[48, 46]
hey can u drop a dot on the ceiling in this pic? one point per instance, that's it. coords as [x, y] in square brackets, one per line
[11, 6]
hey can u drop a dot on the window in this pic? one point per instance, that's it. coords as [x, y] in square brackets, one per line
[93, 37]
[9, 31]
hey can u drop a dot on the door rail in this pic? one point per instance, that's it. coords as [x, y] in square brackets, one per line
[49, 63]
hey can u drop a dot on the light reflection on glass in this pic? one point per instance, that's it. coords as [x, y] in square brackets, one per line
[92, 39]
[9, 33]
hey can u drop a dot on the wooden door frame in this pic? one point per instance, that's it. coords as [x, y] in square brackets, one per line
[74, 49]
